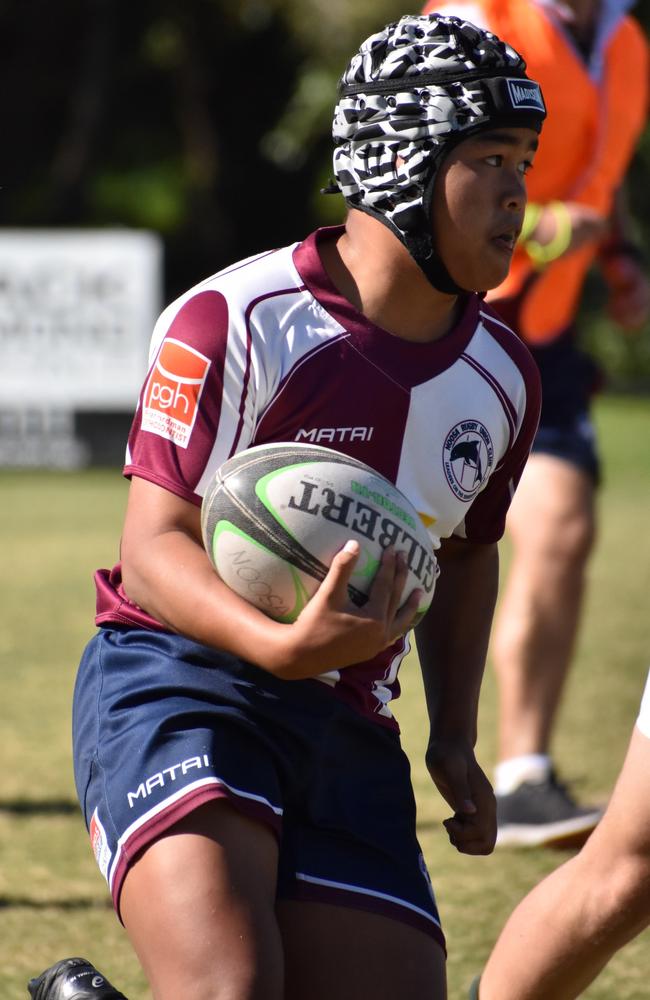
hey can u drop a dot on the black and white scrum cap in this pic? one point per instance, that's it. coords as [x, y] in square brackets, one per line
[410, 93]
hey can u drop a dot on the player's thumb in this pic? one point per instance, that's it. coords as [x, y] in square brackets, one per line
[460, 792]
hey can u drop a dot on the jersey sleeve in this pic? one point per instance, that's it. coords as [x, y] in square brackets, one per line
[186, 418]
[485, 520]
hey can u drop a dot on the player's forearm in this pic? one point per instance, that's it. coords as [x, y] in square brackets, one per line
[174, 582]
[453, 638]
[169, 576]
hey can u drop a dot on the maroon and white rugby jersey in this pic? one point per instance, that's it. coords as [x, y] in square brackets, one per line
[267, 350]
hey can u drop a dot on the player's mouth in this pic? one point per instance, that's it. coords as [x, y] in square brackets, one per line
[505, 241]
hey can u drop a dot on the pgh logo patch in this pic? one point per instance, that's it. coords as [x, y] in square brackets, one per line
[468, 456]
[172, 394]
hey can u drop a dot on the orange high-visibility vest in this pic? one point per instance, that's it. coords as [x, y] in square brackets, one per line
[586, 144]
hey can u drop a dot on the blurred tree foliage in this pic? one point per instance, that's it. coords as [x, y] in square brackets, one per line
[206, 120]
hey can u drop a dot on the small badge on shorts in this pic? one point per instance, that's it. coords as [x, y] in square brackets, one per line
[468, 457]
[99, 843]
[427, 878]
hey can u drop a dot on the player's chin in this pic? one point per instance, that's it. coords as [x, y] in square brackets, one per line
[494, 278]
[490, 273]
[493, 267]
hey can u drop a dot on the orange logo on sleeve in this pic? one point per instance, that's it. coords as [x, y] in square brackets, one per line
[172, 394]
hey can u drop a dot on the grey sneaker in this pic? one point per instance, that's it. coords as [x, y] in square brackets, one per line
[543, 814]
[72, 979]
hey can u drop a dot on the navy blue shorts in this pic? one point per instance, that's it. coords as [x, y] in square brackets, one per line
[575, 444]
[162, 725]
[569, 380]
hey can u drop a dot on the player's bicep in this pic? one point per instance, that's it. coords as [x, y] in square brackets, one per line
[154, 513]
[166, 571]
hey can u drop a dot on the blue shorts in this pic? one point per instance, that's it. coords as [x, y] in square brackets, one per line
[162, 725]
[569, 380]
[575, 444]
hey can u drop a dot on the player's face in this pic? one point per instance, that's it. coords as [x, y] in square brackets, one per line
[478, 205]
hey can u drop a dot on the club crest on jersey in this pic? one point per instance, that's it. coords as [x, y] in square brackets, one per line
[468, 456]
[173, 390]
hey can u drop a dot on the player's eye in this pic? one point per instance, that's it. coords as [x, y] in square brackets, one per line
[495, 159]
[525, 166]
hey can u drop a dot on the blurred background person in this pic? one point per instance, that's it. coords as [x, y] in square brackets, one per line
[592, 61]
[569, 926]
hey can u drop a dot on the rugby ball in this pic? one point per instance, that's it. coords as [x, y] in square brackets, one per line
[275, 515]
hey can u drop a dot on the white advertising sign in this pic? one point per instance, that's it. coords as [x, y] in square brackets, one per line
[77, 308]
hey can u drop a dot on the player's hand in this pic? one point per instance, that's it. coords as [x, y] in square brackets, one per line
[629, 291]
[330, 633]
[472, 829]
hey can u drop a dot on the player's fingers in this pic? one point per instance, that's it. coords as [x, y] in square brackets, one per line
[403, 619]
[458, 791]
[469, 838]
[475, 848]
[334, 587]
[383, 584]
[399, 581]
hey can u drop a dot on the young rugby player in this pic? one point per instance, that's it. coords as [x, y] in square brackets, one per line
[242, 779]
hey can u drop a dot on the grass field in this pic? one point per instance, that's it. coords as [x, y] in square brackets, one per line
[57, 528]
